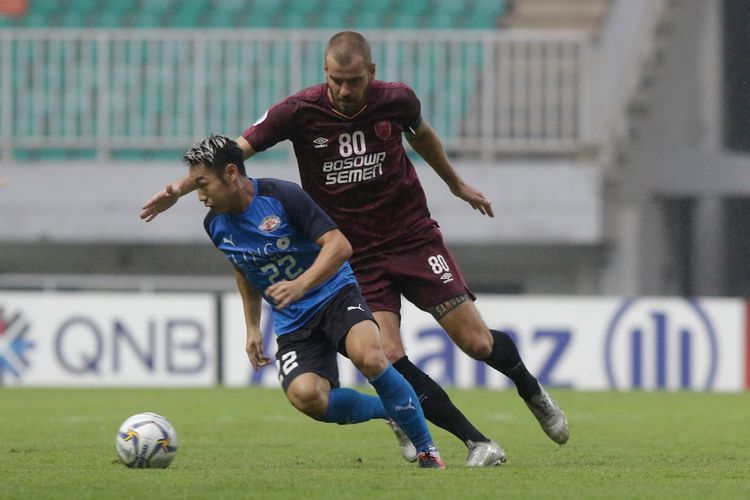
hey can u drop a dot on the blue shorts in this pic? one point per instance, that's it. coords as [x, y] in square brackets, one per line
[313, 347]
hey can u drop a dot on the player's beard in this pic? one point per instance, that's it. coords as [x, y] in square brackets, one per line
[348, 107]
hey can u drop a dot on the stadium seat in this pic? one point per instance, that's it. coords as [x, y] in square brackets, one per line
[79, 13]
[226, 13]
[368, 20]
[335, 13]
[264, 14]
[447, 15]
[403, 20]
[301, 16]
[115, 15]
[153, 14]
[412, 7]
[187, 15]
[484, 14]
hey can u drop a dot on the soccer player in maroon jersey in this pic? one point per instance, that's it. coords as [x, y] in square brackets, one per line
[347, 137]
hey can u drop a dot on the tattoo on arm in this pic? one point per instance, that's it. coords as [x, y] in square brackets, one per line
[440, 310]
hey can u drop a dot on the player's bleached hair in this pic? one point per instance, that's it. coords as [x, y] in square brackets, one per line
[346, 45]
[215, 152]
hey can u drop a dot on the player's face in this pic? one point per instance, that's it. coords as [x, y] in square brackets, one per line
[348, 84]
[213, 191]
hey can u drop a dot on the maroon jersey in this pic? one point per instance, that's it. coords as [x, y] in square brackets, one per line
[356, 167]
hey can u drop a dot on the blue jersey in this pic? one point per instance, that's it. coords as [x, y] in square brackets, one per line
[274, 240]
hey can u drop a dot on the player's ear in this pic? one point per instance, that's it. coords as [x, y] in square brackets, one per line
[231, 172]
[372, 70]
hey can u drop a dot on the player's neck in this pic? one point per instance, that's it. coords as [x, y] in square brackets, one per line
[244, 196]
[339, 112]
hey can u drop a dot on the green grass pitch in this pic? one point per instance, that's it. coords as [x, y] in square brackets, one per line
[250, 443]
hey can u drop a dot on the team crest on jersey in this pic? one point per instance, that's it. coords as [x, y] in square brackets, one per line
[383, 130]
[269, 223]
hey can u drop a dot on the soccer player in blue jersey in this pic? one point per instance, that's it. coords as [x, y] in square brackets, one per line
[285, 249]
[348, 137]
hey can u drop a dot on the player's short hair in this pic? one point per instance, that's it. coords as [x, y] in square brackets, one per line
[347, 45]
[215, 152]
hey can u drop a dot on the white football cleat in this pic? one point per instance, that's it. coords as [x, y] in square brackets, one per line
[550, 416]
[484, 454]
[408, 451]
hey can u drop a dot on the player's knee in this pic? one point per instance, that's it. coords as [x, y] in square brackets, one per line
[371, 363]
[477, 345]
[393, 352]
[308, 398]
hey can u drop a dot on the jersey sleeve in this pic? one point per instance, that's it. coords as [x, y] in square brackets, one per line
[411, 116]
[272, 127]
[302, 212]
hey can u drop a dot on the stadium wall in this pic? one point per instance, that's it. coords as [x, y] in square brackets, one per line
[88, 202]
[197, 340]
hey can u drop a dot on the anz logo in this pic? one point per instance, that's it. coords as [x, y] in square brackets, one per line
[661, 344]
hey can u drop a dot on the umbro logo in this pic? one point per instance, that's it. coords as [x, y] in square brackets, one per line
[228, 240]
[320, 142]
[358, 306]
[447, 278]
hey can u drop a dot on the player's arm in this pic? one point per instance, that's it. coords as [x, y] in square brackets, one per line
[251, 300]
[334, 250]
[427, 144]
[164, 199]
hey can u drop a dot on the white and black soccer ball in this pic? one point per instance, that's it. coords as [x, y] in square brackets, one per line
[146, 440]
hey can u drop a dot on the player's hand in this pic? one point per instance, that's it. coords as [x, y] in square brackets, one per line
[160, 202]
[475, 198]
[255, 351]
[284, 293]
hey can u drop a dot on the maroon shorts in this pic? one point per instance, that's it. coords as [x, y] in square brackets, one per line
[424, 272]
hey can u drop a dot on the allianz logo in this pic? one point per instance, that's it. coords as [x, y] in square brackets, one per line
[661, 344]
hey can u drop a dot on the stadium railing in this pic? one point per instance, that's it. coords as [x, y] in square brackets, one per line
[486, 92]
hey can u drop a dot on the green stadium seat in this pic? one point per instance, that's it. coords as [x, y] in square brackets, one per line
[402, 20]
[115, 15]
[368, 20]
[382, 7]
[153, 14]
[485, 14]
[412, 7]
[335, 13]
[264, 13]
[187, 15]
[302, 15]
[226, 13]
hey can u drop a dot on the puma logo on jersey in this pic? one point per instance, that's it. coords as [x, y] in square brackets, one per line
[228, 240]
[358, 306]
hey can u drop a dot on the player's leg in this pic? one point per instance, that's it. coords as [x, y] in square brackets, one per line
[384, 298]
[437, 405]
[433, 281]
[464, 325]
[309, 376]
[374, 275]
[399, 399]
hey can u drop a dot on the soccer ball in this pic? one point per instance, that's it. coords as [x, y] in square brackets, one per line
[146, 440]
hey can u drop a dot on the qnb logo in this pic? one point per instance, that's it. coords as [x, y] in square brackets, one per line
[661, 344]
[13, 345]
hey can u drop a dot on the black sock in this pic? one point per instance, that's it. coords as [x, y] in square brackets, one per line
[505, 359]
[436, 404]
